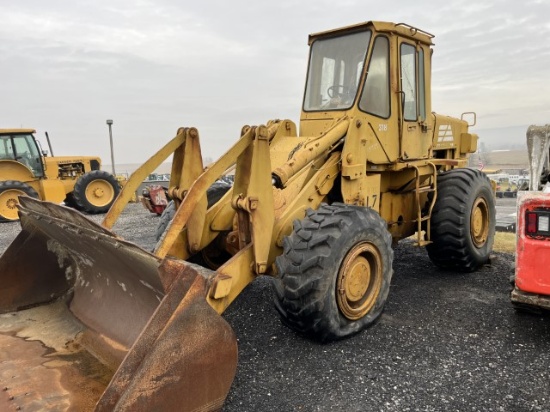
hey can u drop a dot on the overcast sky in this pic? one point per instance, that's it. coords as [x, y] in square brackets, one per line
[152, 66]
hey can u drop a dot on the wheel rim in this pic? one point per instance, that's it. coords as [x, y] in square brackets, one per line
[99, 193]
[359, 281]
[8, 203]
[479, 222]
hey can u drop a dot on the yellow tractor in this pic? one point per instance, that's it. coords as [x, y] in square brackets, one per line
[318, 211]
[26, 170]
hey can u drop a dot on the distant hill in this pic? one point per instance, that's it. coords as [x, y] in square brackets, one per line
[512, 138]
[508, 158]
[512, 160]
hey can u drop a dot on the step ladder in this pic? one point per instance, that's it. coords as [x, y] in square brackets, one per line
[430, 188]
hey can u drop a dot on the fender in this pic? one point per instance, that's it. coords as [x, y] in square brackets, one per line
[13, 170]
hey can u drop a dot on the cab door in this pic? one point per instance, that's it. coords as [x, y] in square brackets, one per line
[25, 151]
[415, 135]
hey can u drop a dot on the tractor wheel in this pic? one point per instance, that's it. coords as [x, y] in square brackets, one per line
[463, 221]
[10, 190]
[95, 191]
[334, 274]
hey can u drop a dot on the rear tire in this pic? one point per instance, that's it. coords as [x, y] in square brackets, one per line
[95, 192]
[10, 190]
[463, 221]
[335, 271]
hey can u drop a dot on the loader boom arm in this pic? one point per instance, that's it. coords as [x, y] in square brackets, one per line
[263, 171]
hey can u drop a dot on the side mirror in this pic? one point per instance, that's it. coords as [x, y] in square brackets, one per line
[470, 118]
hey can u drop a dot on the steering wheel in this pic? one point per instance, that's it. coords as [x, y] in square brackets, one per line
[334, 90]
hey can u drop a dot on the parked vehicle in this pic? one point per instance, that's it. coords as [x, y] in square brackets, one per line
[26, 170]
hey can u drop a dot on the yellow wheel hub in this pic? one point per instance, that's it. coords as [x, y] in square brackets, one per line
[9, 199]
[479, 222]
[359, 281]
[99, 193]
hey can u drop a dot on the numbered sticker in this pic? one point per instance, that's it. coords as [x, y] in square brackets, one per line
[371, 201]
[382, 127]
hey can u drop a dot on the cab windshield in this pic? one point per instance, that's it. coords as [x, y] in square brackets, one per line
[335, 68]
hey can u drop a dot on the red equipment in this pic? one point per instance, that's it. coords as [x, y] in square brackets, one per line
[154, 199]
[532, 278]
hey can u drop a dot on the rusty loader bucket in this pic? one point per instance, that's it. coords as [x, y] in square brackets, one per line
[92, 322]
[89, 321]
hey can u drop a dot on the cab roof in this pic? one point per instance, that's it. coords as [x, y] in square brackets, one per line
[16, 131]
[401, 29]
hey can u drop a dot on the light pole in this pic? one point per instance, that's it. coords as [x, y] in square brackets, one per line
[110, 123]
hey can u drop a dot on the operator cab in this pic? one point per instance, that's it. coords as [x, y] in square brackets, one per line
[22, 147]
[379, 74]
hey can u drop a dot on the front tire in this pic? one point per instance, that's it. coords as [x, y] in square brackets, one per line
[335, 271]
[10, 191]
[95, 192]
[463, 221]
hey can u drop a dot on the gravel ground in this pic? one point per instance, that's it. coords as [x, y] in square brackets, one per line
[446, 342]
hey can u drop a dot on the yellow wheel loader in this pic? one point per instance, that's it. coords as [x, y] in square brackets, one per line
[25, 170]
[318, 211]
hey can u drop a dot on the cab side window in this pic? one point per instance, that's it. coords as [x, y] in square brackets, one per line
[6, 150]
[421, 85]
[413, 82]
[408, 81]
[21, 146]
[27, 153]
